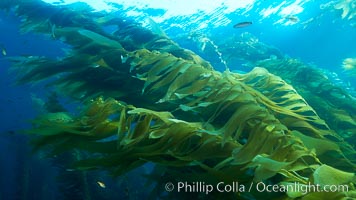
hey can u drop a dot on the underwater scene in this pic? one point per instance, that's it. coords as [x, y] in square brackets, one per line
[177, 99]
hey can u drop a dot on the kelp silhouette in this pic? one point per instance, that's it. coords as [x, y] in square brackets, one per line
[148, 100]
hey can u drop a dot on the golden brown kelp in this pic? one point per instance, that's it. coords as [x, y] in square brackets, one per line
[228, 109]
[143, 135]
[184, 116]
[332, 102]
[228, 102]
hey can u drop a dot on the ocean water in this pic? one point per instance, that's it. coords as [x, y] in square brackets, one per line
[309, 44]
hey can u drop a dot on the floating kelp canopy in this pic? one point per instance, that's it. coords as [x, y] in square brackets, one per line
[148, 100]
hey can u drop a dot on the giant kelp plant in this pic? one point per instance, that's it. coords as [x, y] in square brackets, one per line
[145, 99]
[333, 102]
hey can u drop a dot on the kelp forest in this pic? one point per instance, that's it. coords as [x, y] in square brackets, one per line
[144, 99]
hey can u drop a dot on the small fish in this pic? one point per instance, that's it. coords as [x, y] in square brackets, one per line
[123, 59]
[101, 184]
[242, 24]
[293, 18]
[3, 50]
[53, 31]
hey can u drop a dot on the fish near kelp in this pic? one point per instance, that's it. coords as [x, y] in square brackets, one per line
[3, 50]
[292, 18]
[242, 24]
[101, 184]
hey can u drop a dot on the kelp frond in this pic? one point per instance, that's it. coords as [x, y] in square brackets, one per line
[332, 102]
[122, 137]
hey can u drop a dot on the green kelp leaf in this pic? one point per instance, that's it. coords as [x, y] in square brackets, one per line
[170, 76]
[164, 116]
[185, 77]
[345, 118]
[54, 124]
[100, 39]
[192, 89]
[320, 145]
[159, 69]
[266, 167]
[204, 104]
[155, 134]
[141, 127]
[225, 102]
[326, 175]
[186, 108]
[163, 64]
[233, 128]
[143, 59]
[122, 127]
[305, 126]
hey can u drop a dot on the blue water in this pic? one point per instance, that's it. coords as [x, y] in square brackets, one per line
[323, 44]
